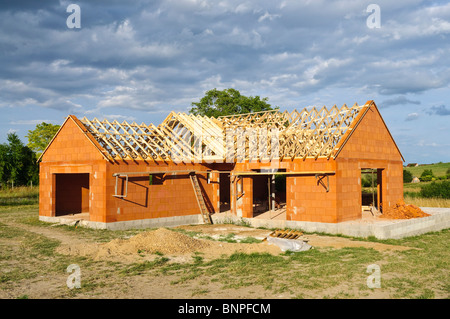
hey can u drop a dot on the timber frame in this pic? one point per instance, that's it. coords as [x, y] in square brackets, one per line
[187, 138]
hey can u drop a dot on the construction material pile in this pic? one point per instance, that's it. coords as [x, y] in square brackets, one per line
[403, 211]
[162, 241]
[158, 241]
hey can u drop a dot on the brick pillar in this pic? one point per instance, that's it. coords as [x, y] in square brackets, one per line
[247, 203]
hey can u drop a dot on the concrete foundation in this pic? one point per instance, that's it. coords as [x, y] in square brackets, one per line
[377, 227]
[130, 224]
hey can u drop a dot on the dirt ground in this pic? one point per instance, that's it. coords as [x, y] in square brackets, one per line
[179, 248]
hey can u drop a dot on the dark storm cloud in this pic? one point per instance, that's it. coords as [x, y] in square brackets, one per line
[175, 50]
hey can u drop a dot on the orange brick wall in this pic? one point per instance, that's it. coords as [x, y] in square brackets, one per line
[306, 198]
[72, 153]
[370, 146]
[371, 140]
[175, 197]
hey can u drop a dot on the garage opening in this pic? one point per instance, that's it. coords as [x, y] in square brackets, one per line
[72, 194]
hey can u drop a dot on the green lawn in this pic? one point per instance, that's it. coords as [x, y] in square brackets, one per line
[439, 169]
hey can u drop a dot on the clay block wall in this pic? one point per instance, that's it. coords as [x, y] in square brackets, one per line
[72, 153]
[348, 190]
[370, 146]
[392, 184]
[174, 197]
[306, 198]
[371, 140]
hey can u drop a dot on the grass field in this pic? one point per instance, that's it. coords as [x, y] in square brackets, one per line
[23, 195]
[439, 169]
[31, 267]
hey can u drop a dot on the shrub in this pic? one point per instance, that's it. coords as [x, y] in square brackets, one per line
[407, 176]
[427, 176]
[439, 190]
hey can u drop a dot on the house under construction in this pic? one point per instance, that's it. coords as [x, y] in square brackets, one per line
[305, 164]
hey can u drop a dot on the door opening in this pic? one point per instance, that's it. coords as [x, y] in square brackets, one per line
[72, 194]
[224, 191]
[371, 187]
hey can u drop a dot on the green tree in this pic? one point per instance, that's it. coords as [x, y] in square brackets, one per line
[407, 176]
[4, 167]
[40, 137]
[228, 102]
[17, 162]
[427, 175]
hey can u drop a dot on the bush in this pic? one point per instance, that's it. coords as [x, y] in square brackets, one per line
[433, 190]
[407, 176]
[427, 176]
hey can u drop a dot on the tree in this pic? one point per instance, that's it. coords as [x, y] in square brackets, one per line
[407, 176]
[40, 137]
[227, 102]
[427, 175]
[17, 162]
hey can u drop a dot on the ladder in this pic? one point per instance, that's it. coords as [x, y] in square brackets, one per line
[200, 199]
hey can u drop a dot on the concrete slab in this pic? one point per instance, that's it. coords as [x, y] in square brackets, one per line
[377, 227]
[132, 224]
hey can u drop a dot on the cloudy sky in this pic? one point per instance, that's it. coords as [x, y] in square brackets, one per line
[138, 60]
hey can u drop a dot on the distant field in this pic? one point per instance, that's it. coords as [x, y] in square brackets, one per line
[22, 195]
[439, 169]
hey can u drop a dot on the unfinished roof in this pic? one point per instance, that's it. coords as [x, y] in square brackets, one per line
[194, 138]
[185, 137]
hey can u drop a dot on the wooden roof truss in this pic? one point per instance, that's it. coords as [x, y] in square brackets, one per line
[193, 138]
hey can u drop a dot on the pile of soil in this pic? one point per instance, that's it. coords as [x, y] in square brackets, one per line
[403, 211]
[161, 240]
[166, 242]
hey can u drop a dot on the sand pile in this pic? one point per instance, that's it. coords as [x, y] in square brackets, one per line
[161, 240]
[166, 242]
[403, 211]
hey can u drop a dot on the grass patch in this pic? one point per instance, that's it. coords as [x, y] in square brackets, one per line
[18, 196]
[426, 202]
[140, 268]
